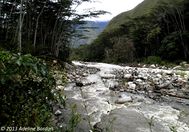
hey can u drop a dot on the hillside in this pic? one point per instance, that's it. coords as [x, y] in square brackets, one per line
[144, 8]
[154, 28]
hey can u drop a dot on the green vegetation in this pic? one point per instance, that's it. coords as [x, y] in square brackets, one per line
[79, 53]
[152, 60]
[28, 93]
[173, 128]
[41, 28]
[25, 88]
[154, 28]
[75, 118]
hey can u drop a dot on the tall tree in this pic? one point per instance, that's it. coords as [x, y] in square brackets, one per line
[44, 26]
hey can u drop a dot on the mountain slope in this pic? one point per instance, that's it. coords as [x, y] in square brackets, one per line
[153, 28]
[142, 9]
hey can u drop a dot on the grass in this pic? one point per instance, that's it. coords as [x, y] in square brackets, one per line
[173, 128]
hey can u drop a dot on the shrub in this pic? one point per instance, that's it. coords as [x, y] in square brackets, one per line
[25, 89]
[153, 60]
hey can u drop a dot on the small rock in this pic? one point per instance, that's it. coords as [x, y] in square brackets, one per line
[135, 72]
[60, 87]
[79, 84]
[169, 72]
[112, 85]
[131, 85]
[183, 63]
[159, 75]
[144, 66]
[186, 77]
[186, 65]
[107, 76]
[84, 74]
[127, 76]
[58, 112]
[121, 90]
[59, 82]
[163, 67]
[139, 80]
[152, 66]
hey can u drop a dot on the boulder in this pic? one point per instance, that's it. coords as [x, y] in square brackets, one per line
[127, 76]
[131, 85]
[123, 99]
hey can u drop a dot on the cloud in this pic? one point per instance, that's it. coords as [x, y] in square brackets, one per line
[115, 7]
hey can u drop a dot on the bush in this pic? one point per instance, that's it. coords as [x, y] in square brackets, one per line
[153, 60]
[25, 89]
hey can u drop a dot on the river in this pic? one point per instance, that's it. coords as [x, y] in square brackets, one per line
[105, 105]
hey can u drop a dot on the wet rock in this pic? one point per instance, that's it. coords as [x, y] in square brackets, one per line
[143, 81]
[108, 76]
[112, 85]
[122, 120]
[123, 99]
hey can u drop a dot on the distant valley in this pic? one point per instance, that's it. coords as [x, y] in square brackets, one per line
[88, 32]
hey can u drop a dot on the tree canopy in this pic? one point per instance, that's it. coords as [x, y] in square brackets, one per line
[40, 26]
[159, 30]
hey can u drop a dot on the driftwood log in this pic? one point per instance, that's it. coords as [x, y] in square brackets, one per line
[164, 85]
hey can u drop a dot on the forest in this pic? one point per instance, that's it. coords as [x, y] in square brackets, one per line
[47, 85]
[35, 38]
[155, 29]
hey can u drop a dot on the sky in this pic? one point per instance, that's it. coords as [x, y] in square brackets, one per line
[115, 7]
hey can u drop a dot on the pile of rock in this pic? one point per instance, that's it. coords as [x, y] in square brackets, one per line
[76, 74]
[153, 80]
[150, 81]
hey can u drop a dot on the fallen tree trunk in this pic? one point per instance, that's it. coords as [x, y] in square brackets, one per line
[165, 85]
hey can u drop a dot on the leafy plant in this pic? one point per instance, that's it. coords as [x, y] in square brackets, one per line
[25, 88]
[74, 120]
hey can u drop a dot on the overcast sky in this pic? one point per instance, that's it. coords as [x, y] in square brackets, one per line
[114, 6]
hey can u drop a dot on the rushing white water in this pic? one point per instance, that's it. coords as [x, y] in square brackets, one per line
[99, 100]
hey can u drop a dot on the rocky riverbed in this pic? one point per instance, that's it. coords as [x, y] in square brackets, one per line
[127, 99]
